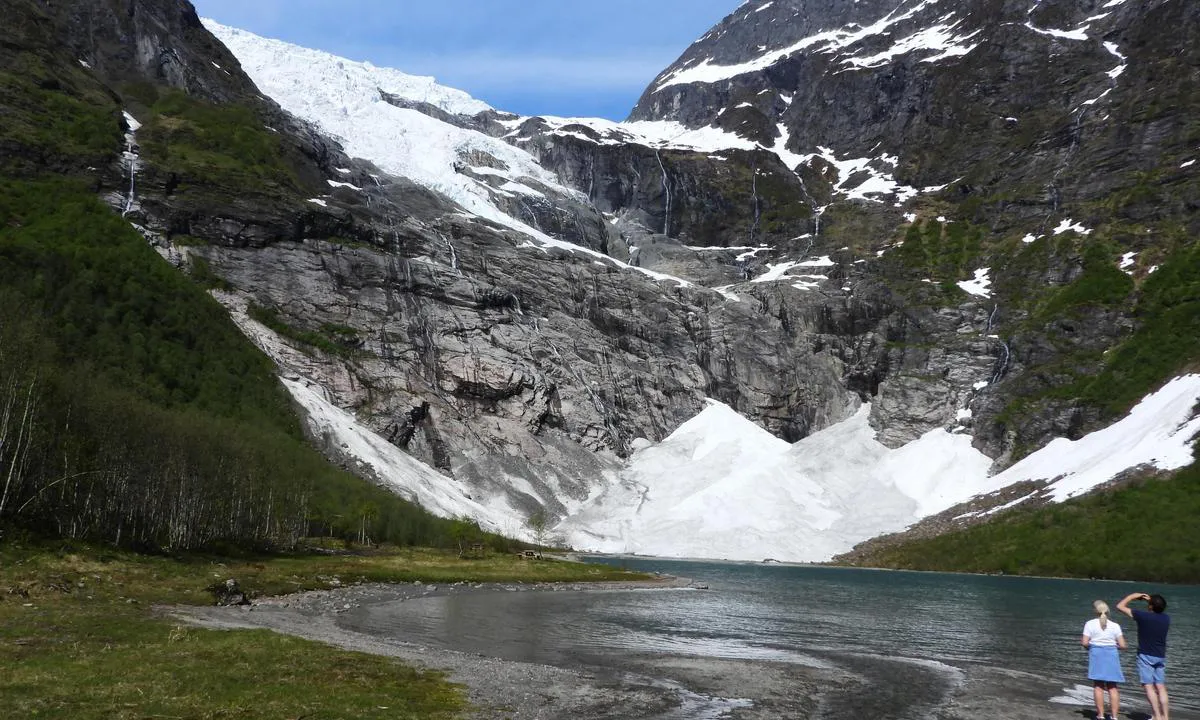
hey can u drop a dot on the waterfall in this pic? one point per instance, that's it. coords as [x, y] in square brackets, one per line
[131, 160]
[1003, 369]
[757, 207]
[395, 244]
[817, 210]
[667, 190]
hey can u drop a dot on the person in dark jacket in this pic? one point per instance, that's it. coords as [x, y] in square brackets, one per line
[1152, 628]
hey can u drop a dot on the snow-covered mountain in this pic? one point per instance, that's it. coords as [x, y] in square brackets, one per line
[719, 485]
[489, 162]
[846, 265]
[844, 261]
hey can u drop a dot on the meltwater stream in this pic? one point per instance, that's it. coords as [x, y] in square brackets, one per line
[910, 633]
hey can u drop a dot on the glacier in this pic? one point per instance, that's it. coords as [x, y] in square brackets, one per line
[346, 100]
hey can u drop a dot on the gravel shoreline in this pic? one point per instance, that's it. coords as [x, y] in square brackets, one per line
[660, 687]
[495, 688]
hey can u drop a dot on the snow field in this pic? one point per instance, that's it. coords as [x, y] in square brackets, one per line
[938, 39]
[722, 487]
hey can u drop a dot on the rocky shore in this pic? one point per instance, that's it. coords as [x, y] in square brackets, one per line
[496, 688]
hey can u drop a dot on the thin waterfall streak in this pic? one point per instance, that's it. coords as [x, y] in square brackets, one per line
[667, 190]
[1003, 369]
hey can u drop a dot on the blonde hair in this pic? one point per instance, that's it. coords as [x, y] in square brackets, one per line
[1101, 608]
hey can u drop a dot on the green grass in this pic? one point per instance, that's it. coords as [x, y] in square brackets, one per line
[80, 640]
[337, 340]
[215, 145]
[1100, 284]
[111, 302]
[1167, 339]
[54, 119]
[1146, 531]
[942, 252]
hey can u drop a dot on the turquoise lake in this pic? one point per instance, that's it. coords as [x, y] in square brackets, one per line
[808, 615]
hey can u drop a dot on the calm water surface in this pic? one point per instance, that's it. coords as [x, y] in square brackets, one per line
[803, 615]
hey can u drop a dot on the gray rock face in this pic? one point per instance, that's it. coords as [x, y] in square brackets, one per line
[739, 198]
[519, 369]
[158, 42]
[1015, 97]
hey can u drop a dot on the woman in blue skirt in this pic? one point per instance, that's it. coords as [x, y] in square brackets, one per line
[1102, 638]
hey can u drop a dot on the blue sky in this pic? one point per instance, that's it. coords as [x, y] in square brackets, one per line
[559, 57]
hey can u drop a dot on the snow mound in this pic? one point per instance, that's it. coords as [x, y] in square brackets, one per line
[722, 487]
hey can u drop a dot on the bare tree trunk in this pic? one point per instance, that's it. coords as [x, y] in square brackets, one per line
[16, 465]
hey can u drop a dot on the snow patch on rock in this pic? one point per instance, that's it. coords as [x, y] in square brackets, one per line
[396, 469]
[939, 40]
[980, 285]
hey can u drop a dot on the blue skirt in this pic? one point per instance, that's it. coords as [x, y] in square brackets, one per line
[1104, 664]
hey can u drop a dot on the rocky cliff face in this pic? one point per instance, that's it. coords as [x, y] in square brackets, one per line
[1044, 122]
[945, 211]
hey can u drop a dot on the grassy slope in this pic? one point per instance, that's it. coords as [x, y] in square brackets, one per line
[147, 395]
[79, 638]
[145, 385]
[1147, 531]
